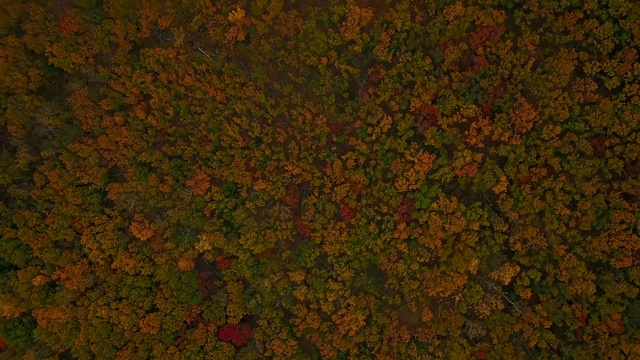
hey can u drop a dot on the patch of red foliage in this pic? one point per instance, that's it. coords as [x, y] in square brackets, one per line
[292, 198]
[426, 115]
[69, 23]
[482, 35]
[237, 334]
[302, 228]
[479, 63]
[405, 210]
[347, 212]
[473, 63]
[223, 263]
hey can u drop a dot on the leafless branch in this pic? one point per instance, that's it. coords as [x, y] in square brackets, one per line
[503, 294]
[208, 54]
[325, 264]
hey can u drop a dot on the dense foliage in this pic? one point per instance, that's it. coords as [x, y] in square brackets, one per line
[320, 179]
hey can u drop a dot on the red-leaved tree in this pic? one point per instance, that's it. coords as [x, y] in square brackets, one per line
[237, 334]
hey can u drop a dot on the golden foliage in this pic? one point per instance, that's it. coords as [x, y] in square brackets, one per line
[11, 306]
[356, 19]
[141, 228]
[150, 324]
[71, 275]
[185, 264]
[199, 183]
[505, 273]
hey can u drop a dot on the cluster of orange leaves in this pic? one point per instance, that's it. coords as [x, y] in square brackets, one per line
[199, 183]
[141, 228]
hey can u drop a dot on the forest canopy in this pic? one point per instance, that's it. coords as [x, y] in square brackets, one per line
[319, 179]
